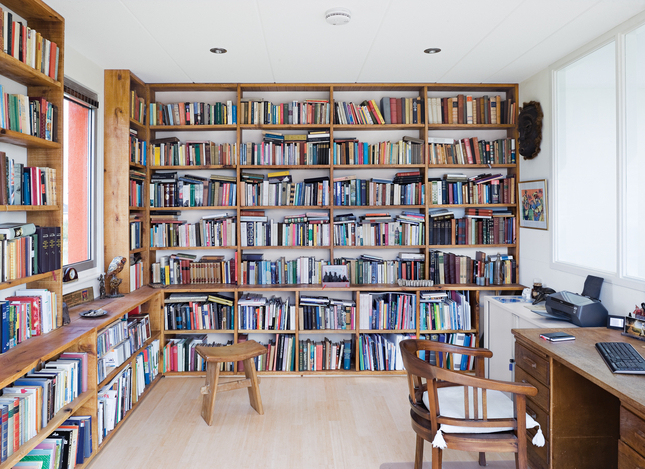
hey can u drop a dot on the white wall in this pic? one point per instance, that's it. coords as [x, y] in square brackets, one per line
[536, 246]
[85, 72]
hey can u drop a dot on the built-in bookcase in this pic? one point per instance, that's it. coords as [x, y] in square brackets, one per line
[330, 180]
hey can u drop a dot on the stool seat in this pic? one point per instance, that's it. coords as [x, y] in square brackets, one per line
[231, 353]
[245, 352]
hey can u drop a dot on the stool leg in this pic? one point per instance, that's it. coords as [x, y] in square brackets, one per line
[254, 388]
[208, 402]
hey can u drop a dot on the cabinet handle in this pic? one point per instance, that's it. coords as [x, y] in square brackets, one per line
[530, 362]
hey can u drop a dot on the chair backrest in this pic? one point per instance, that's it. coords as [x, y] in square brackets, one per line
[422, 377]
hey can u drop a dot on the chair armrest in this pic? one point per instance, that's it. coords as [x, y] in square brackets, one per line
[484, 383]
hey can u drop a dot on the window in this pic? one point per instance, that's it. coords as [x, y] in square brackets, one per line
[78, 179]
[599, 164]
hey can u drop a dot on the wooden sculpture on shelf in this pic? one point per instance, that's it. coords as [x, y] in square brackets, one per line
[111, 281]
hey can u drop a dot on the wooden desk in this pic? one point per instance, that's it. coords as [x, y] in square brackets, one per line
[590, 417]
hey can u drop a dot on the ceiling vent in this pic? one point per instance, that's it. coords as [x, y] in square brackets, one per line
[338, 16]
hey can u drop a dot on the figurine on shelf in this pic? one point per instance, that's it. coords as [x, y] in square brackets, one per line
[112, 282]
[102, 287]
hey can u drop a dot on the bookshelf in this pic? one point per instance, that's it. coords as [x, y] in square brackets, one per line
[310, 99]
[33, 151]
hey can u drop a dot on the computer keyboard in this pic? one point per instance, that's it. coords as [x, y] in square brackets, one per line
[621, 357]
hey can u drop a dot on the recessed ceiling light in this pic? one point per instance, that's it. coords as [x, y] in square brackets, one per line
[218, 50]
[432, 50]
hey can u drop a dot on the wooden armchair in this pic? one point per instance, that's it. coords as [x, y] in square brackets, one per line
[470, 428]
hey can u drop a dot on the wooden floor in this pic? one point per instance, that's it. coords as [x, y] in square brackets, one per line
[314, 423]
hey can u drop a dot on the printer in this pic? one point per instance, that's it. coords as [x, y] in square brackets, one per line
[578, 309]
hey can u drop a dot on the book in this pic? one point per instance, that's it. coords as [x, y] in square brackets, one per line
[557, 336]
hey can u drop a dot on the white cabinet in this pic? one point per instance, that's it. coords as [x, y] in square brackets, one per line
[499, 319]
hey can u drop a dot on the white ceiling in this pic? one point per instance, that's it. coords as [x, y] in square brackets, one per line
[289, 41]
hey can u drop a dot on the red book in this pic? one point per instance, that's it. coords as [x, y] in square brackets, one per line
[23, 40]
[52, 61]
[393, 114]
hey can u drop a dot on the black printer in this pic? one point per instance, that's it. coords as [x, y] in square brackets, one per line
[580, 310]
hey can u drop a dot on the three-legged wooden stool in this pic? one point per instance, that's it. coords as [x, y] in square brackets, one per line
[245, 352]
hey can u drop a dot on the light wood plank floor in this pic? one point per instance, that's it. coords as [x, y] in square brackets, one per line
[310, 422]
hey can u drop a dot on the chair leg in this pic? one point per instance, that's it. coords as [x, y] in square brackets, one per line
[437, 456]
[254, 389]
[210, 392]
[418, 455]
[482, 459]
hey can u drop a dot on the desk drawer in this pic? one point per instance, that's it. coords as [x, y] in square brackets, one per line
[632, 430]
[542, 397]
[532, 363]
[538, 456]
[540, 415]
[628, 458]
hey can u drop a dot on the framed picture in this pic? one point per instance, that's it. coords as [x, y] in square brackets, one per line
[533, 205]
[335, 276]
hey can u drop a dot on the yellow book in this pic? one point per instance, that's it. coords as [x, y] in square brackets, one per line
[295, 137]
[378, 111]
[278, 174]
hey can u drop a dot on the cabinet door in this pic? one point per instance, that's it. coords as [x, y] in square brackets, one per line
[500, 342]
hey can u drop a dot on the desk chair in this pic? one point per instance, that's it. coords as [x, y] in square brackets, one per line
[213, 356]
[441, 412]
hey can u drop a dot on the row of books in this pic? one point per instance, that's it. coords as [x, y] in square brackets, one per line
[404, 189]
[259, 313]
[28, 250]
[322, 313]
[350, 151]
[138, 149]
[448, 268]
[387, 311]
[305, 151]
[136, 272]
[179, 354]
[380, 352]
[198, 311]
[369, 269]
[171, 190]
[449, 310]
[280, 356]
[135, 232]
[30, 402]
[306, 232]
[130, 334]
[184, 269]
[379, 229]
[171, 152]
[29, 115]
[451, 361]
[310, 192]
[137, 188]
[167, 231]
[401, 110]
[137, 107]
[70, 444]
[478, 226]
[26, 185]
[466, 109]
[27, 313]
[193, 113]
[310, 111]
[28, 45]
[471, 151]
[254, 270]
[324, 355]
[489, 189]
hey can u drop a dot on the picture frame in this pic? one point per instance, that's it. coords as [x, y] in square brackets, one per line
[335, 276]
[534, 204]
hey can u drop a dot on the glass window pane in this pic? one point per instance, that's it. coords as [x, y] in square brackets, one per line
[634, 214]
[76, 209]
[585, 195]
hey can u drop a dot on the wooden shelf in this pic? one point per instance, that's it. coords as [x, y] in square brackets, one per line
[431, 206]
[387, 331]
[29, 208]
[272, 167]
[379, 127]
[192, 128]
[22, 73]
[470, 126]
[134, 251]
[452, 246]
[378, 207]
[378, 166]
[327, 331]
[34, 278]
[26, 140]
[471, 166]
[264, 331]
[198, 331]
[422, 246]
[205, 207]
[138, 126]
[138, 166]
[284, 207]
[284, 247]
[52, 425]
[447, 331]
[206, 287]
[192, 167]
[192, 248]
[285, 126]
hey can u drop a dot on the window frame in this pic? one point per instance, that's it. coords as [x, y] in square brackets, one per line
[92, 262]
[618, 36]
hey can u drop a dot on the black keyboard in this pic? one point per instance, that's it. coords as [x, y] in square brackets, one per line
[621, 357]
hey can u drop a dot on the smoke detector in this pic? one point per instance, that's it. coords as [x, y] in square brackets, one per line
[338, 16]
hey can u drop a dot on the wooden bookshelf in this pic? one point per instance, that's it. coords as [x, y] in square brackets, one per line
[242, 133]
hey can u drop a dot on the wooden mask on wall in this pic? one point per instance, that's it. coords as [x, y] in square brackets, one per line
[530, 127]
